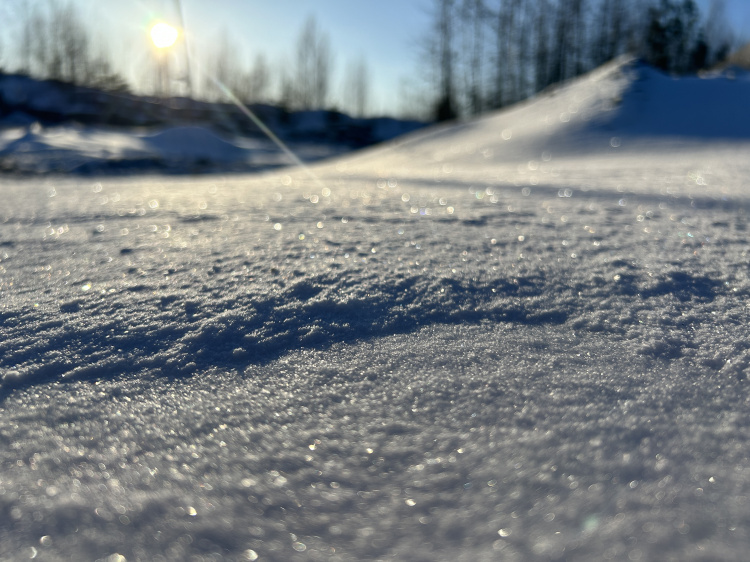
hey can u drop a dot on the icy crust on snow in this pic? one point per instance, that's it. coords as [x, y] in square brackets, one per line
[453, 443]
[124, 279]
[441, 350]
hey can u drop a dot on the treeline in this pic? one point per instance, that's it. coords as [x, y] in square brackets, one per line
[479, 55]
[55, 43]
[485, 54]
[305, 82]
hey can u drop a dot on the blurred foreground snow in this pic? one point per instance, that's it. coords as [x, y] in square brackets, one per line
[519, 338]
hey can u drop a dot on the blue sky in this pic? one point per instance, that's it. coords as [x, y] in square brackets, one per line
[386, 32]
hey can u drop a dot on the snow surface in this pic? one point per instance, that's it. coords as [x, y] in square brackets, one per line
[519, 338]
[29, 148]
[182, 149]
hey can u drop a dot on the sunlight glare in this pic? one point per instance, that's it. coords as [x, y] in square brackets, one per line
[163, 35]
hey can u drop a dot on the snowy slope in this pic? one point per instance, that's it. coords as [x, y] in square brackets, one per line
[612, 114]
[508, 339]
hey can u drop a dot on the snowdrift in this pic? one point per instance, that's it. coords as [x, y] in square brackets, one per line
[193, 143]
[621, 108]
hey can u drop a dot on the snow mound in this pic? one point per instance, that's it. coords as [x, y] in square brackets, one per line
[194, 143]
[74, 148]
[68, 148]
[621, 107]
[713, 106]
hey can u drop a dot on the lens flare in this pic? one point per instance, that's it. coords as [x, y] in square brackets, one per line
[268, 132]
[163, 35]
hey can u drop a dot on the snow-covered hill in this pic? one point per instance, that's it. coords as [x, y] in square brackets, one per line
[519, 338]
[609, 115]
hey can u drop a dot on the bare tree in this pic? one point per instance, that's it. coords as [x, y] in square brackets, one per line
[542, 47]
[577, 38]
[313, 67]
[25, 41]
[55, 43]
[185, 48]
[560, 55]
[514, 31]
[473, 17]
[441, 50]
[73, 42]
[525, 59]
[356, 87]
[228, 76]
[225, 65]
[259, 79]
[601, 46]
[40, 55]
[225, 73]
[252, 86]
[103, 76]
[60, 46]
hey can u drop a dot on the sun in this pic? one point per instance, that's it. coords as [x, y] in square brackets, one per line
[163, 35]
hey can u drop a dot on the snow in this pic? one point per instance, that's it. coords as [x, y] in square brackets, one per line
[72, 129]
[71, 148]
[514, 338]
[193, 142]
